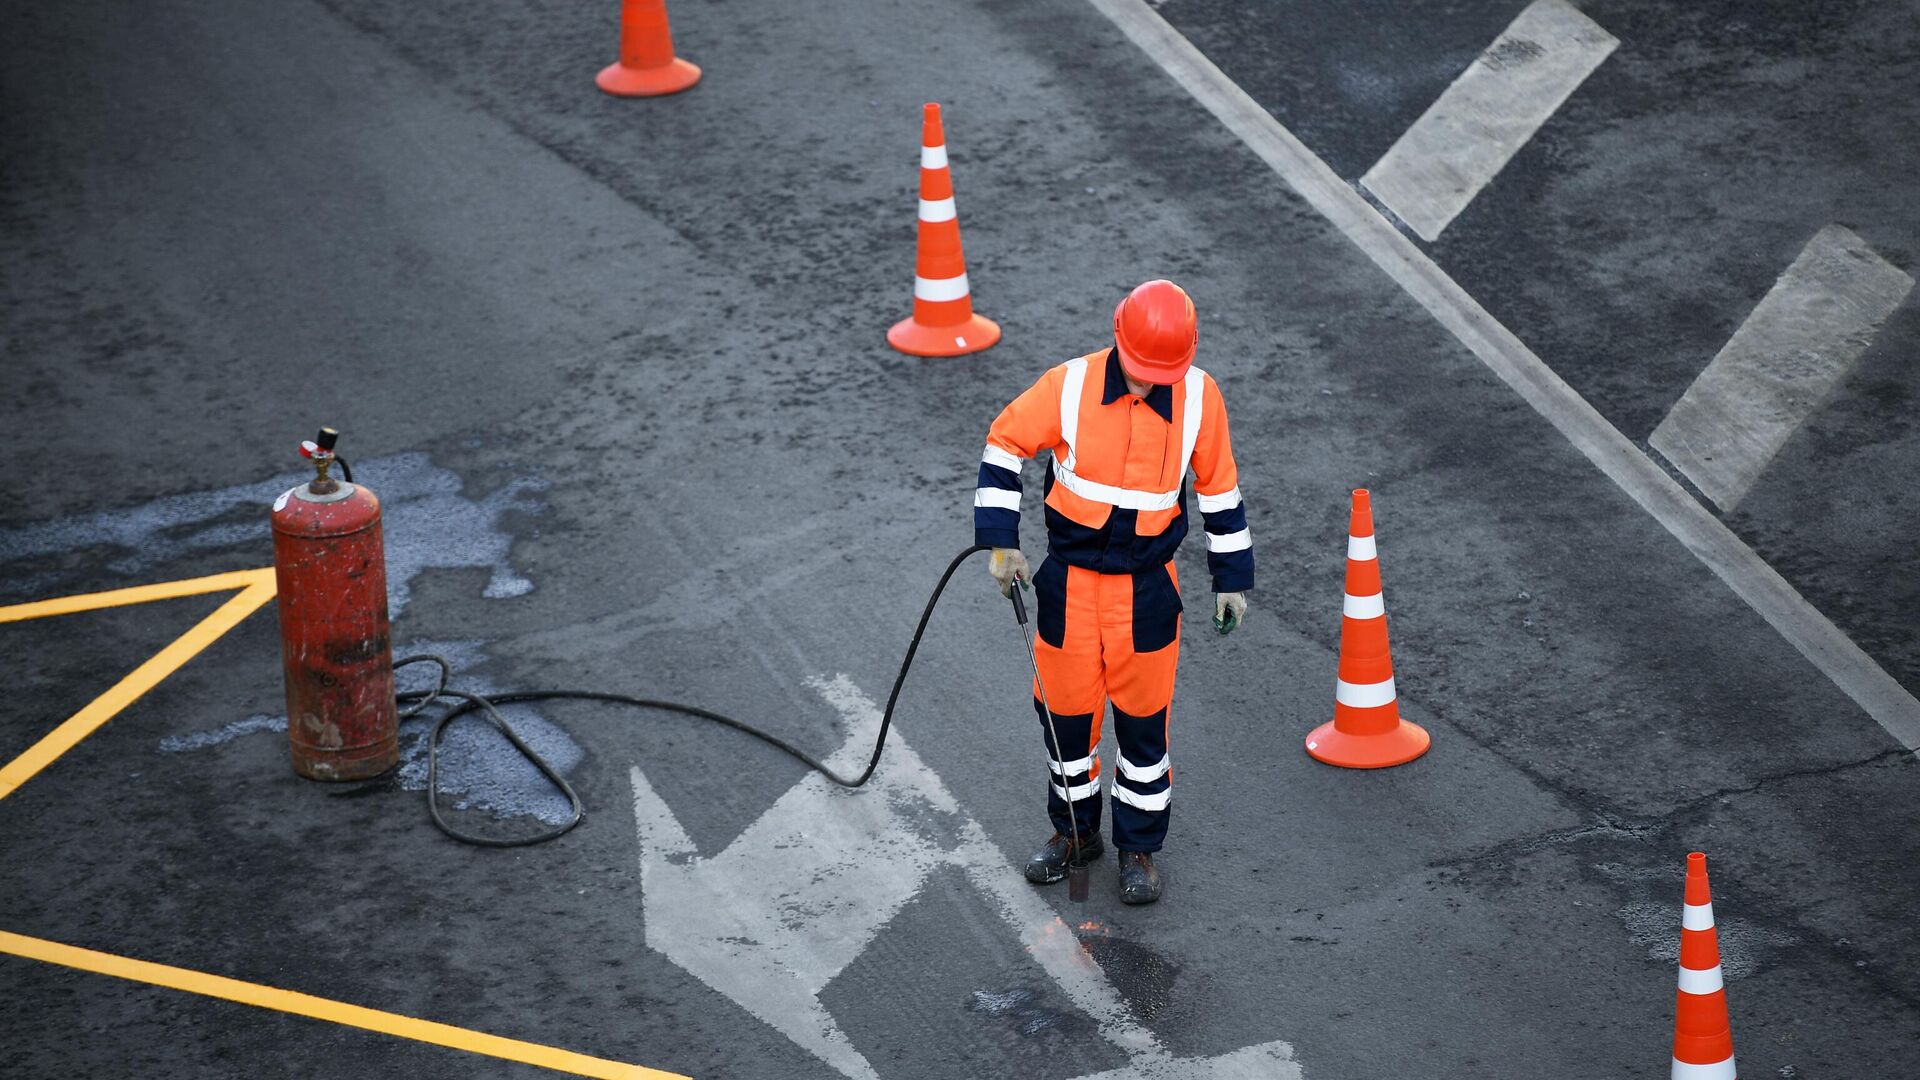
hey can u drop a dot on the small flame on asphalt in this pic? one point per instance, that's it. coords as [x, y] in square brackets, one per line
[1081, 932]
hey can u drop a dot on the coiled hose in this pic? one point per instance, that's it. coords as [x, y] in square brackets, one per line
[413, 701]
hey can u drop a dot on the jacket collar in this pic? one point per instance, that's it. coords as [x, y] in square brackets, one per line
[1159, 399]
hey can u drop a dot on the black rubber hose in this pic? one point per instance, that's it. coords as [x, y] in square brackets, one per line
[413, 701]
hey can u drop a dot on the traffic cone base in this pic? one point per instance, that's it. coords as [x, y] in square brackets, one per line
[976, 332]
[669, 78]
[1396, 746]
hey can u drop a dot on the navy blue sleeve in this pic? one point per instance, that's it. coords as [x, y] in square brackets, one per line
[996, 501]
[1229, 542]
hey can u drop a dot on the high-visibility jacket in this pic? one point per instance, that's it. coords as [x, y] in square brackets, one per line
[1116, 493]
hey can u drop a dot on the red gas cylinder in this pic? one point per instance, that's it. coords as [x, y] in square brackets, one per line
[332, 570]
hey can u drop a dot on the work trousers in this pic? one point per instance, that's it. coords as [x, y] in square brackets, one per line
[1108, 638]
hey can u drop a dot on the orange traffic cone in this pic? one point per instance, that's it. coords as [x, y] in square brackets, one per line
[1366, 731]
[943, 322]
[1702, 1037]
[647, 66]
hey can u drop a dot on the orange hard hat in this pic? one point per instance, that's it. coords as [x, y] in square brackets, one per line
[1156, 330]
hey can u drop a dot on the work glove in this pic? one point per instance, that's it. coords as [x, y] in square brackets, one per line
[1007, 565]
[1229, 611]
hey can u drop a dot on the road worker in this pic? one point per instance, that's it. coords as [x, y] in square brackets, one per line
[1123, 425]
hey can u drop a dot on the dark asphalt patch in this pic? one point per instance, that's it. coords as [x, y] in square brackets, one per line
[1145, 978]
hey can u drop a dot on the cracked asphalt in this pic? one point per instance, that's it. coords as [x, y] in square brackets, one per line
[622, 365]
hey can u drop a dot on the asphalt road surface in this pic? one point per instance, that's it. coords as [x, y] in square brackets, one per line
[617, 369]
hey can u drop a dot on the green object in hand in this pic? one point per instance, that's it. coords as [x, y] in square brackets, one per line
[1229, 609]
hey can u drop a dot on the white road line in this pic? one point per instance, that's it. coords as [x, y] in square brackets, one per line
[789, 904]
[1467, 136]
[1781, 365]
[1851, 669]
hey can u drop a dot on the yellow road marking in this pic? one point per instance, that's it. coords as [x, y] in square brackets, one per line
[139, 594]
[256, 588]
[319, 1008]
[259, 588]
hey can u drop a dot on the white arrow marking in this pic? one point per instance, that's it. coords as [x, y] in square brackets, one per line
[803, 891]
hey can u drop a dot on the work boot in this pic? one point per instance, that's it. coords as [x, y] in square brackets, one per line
[1139, 881]
[1049, 864]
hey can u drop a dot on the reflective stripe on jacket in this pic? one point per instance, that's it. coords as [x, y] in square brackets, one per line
[1116, 479]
